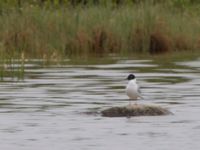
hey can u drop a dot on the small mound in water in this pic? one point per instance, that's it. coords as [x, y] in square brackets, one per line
[135, 110]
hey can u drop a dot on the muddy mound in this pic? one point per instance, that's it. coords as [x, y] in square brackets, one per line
[135, 110]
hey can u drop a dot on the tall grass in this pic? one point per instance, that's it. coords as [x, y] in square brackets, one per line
[40, 32]
[52, 32]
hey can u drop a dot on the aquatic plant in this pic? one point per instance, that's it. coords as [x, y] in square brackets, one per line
[65, 31]
[53, 30]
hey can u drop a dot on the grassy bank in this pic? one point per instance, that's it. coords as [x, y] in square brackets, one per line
[81, 31]
[53, 32]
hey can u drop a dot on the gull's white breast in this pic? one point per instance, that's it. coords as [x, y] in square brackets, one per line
[132, 89]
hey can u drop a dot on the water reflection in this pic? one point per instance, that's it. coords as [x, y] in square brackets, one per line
[58, 106]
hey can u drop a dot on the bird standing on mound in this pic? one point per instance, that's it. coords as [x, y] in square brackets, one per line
[132, 89]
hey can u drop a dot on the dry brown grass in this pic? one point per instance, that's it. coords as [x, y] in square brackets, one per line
[71, 34]
[18, 40]
[155, 41]
[104, 41]
[159, 43]
[182, 42]
[98, 41]
[137, 39]
[81, 42]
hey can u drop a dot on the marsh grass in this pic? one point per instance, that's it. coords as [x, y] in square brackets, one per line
[51, 33]
[8, 71]
[144, 28]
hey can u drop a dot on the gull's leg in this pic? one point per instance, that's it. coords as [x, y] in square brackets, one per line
[135, 102]
[129, 102]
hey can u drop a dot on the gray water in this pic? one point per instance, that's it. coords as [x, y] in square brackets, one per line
[57, 107]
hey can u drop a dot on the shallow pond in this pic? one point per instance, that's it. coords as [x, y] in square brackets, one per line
[57, 107]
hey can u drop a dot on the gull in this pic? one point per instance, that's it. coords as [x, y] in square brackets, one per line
[132, 88]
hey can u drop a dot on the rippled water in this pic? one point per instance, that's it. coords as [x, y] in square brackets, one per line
[57, 107]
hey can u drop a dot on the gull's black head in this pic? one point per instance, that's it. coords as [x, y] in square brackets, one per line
[131, 77]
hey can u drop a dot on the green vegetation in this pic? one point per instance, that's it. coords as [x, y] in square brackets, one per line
[56, 29]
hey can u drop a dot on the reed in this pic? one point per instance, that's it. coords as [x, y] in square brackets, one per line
[58, 32]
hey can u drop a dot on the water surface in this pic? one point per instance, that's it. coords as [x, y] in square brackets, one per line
[57, 107]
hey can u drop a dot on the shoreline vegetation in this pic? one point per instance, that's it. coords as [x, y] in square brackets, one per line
[58, 29]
